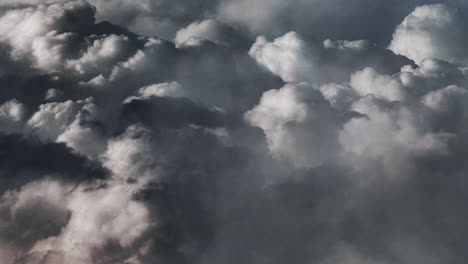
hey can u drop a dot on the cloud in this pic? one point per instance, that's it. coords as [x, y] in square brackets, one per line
[33, 213]
[346, 44]
[288, 57]
[103, 52]
[206, 29]
[23, 160]
[130, 156]
[11, 116]
[44, 32]
[172, 89]
[161, 17]
[225, 131]
[431, 31]
[293, 119]
[335, 19]
[369, 82]
[74, 224]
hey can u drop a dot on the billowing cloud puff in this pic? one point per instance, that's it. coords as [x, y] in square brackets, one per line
[44, 31]
[369, 82]
[73, 224]
[432, 31]
[389, 131]
[130, 156]
[52, 119]
[291, 118]
[288, 57]
[446, 99]
[150, 58]
[35, 212]
[101, 218]
[73, 123]
[340, 96]
[103, 52]
[55, 41]
[11, 114]
[207, 29]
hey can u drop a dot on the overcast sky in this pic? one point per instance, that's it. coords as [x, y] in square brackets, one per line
[233, 131]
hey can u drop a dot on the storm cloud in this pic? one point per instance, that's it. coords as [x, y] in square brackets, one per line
[222, 131]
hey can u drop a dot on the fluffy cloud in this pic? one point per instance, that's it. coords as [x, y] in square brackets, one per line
[288, 57]
[41, 201]
[73, 123]
[74, 224]
[104, 52]
[99, 218]
[207, 29]
[389, 132]
[369, 82]
[292, 118]
[11, 115]
[130, 155]
[431, 31]
[230, 128]
[41, 31]
[52, 119]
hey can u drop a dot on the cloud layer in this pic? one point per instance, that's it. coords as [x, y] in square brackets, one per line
[222, 131]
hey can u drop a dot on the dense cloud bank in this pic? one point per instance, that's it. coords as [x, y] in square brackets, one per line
[222, 131]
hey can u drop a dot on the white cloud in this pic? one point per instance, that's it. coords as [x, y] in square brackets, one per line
[52, 119]
[102, 54]
[99, 217]
[346, 44]
[12, 110]
[172, 89]
[130, 155]
[67, 122]
[83, 139]
[370, 82]
[389, 134]
[36, 32]
[432, 31]
[449, 99]
[339, 96]
[288, 57]
[298, 123]
[208, 29]
[254, 15]
[74, 224]
[12, 114]
[145, 60]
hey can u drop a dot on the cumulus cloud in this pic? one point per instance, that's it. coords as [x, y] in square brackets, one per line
[291, 118]
[346, 44]
[213, 131]
[288, 57]
[12, 114]
[431, 31]
[44, 32]
[101, 53]
[130, 155]
[73, 224]
[207, 29]
[369, 82]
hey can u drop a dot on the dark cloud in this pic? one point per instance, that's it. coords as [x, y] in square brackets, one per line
[227, 131]
[23, 160]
